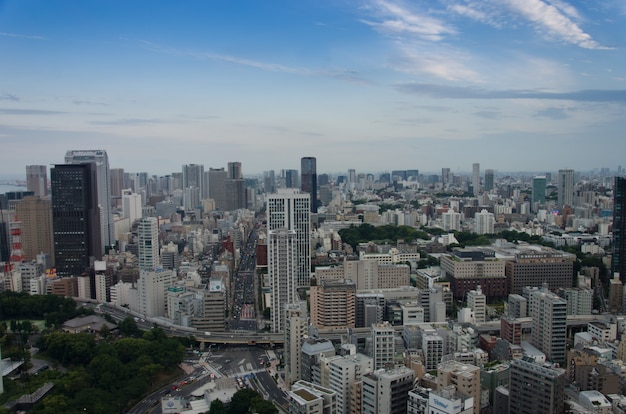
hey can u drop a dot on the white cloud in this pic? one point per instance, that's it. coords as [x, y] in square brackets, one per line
[395, 19]
[554, 20]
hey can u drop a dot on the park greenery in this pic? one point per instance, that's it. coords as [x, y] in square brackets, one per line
[244, 401]
[105, 374]
[381, 234]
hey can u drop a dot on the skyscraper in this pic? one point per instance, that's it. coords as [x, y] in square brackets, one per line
[217, 187]
[101, 161]
[475, 178]
[75, 217]
[489, 180]
[308, 181]
[193, 176]
[117, 182]
[290, 209]
[565, 188]
[37, 180]
[539, 189]
[484, 222]
[618, 264]
[235, 187]
[35, 213]
[282, 267]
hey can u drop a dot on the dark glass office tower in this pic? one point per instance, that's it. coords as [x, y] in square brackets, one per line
[618, 264]
[75, 217]
[308, 171]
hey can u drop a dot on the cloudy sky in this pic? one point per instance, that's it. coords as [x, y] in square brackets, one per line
[532, 85]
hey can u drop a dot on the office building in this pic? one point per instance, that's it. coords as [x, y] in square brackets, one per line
[535, 389]
[308, 398]
[235, 187]
[433, 349]
[618, 261]
[35, 215]
[549, 330]
[193, 176]
[475, 178]
[75, 217]
[387, 391]
[103, 182]
[217, 187]
[308, 182]
[290, 179]
[464, 377]
[565, 189]
[477, 302]
[511, 330]
[518, 306]
[37, 180]
[383, 345]
[117, 182]
[539, 190]
[616, 293]
[148, 243]
[312, 350]
[489, 175]
[269, 182]
[579, 300]
[151, 292]
[290, 209]
[536, 265]
[344, 374]
[467, 268]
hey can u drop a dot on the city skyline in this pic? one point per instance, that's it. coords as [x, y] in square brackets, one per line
[534, 85]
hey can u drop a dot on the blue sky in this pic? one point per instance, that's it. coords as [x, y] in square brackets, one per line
[516, 85]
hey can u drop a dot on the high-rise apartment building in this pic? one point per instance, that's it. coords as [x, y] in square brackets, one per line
[290, 209]
[75, 217]
[308, 182]
[35, 215]
[535, 389]
[549, 325]
[282, 267]
[618, 264]
[148, 243]
[476, 178]
[296, 327]
[565, 188]
[484, 222]
[37, 180]
[101, 161]
[333, 303]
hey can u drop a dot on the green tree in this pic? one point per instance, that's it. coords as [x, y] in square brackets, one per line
[217, 407]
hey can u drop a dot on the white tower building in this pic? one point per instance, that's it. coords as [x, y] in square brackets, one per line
[148, 243]
[477, 301]
[290, 209]
[131, 205]
[282, 266]
[484, 222]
